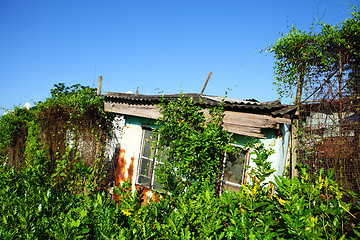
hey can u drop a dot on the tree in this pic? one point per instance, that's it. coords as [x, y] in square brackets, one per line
[322, 64]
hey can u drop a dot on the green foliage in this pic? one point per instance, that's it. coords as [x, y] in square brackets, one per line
[79, 99]
[13, 128]
[40, 204]
[61, 137]
[316, 60]
[263, 169]
[30, 208]
[194, 147]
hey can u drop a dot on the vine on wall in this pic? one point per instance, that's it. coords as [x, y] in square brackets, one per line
[64, 134]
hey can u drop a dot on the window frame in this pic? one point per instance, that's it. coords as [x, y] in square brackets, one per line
[222, 181]
[154, 161]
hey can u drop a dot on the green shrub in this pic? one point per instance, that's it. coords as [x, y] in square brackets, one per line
[36, 204]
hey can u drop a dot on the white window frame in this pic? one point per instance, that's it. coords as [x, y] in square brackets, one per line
[154, 162]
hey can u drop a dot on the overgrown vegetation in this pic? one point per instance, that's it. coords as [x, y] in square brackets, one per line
[191, 147]
[37, 201]
[321, 63]
[62, 137]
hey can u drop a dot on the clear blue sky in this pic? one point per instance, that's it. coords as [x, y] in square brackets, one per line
[167, 45]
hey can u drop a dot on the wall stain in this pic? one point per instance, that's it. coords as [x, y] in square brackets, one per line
[120, 172]
[131, 169]
[143, 193]
[120, 177]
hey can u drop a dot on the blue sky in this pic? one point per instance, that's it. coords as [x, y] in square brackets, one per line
[158, 45]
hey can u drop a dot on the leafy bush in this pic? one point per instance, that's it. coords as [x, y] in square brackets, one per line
[33, 207]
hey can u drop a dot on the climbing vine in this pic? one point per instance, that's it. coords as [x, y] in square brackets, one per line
[193, 145]
[65, 135]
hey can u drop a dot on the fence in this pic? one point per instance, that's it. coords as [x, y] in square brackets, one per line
[329, 139]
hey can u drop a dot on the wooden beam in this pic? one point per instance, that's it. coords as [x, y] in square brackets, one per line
[244, 127]
[145, 111]
[252, 119]
[241, 130]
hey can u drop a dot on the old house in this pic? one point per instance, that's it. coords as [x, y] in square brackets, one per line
[269, 122]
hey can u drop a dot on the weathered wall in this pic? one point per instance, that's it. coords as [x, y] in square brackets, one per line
[278, 140]
[129, 155]
[130, 143]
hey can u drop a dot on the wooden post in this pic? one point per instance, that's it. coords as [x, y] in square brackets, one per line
[99, 85]
[294, 145]
[202, 91]
[340, 160]
[295, 125]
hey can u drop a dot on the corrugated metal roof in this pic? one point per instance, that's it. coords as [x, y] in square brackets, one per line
[232, 101]
[232, 104]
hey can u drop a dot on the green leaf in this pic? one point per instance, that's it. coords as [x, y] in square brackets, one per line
[83, 213]
[75, 223]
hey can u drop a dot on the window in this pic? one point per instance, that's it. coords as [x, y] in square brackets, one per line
[147, 162]
[233, 172]
[232, 176]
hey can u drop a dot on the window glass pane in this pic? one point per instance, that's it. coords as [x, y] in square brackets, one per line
[144, 181]
[145, 167]
[234, 167]
[147, 144]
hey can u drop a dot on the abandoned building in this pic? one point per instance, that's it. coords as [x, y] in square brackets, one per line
[268, 122]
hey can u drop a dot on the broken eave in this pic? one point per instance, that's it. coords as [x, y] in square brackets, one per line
[242, 117]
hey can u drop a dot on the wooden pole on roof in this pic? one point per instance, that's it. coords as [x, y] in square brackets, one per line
[99, 85]
[207, 80]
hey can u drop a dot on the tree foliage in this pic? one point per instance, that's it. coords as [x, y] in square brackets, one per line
[193, 145]
[321, 62]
